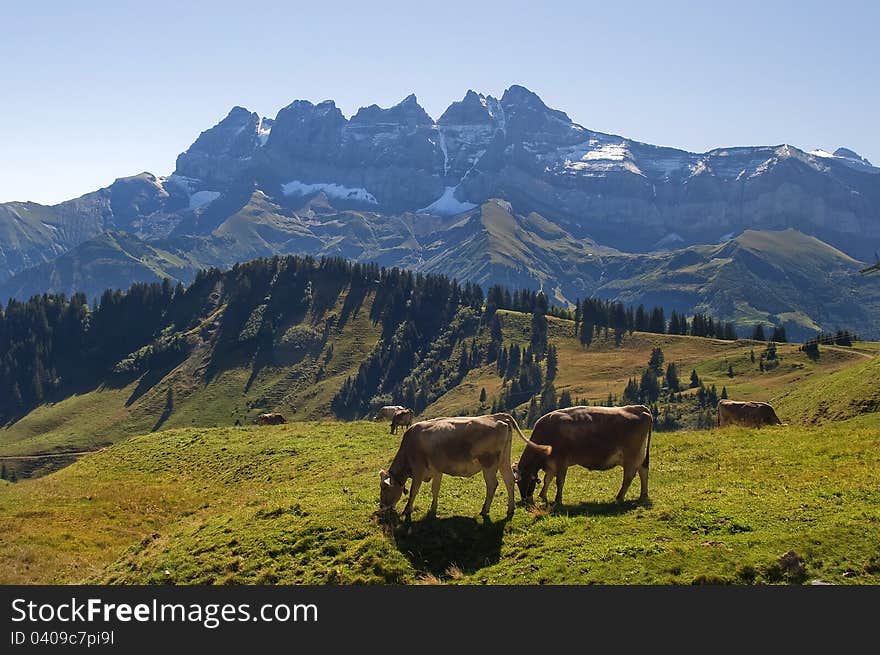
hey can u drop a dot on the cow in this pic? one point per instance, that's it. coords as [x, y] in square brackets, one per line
[272, 418]
[461, 446]
[597, 438]
[749, 414]
[387, 413]
[402, 417]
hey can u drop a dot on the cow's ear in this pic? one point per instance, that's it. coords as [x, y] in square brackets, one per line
[383, 474]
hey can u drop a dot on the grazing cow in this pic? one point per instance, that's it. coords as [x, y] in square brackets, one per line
[387, 413]
[749, 414]
[461, 446]
[597, 438]
[403, 417]
[272, 418]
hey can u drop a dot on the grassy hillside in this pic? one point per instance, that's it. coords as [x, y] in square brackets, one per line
[840, 395]
[296, 504]
[208, 389]
[188, 394]
[603, 368]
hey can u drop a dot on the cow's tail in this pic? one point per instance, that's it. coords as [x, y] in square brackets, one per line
[647, 461]
[514, 426]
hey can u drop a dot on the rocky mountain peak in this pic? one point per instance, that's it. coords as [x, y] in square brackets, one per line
[473, 109]
[406, 112]
[846, 153]
[526, 114]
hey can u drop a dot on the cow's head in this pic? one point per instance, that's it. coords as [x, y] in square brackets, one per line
[526, 479]
[390, 490]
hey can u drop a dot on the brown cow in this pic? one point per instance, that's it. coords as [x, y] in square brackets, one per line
[597, 438]
[749, 414]
[272, 418]
[387, 412]
[403, 417]
[461, 446]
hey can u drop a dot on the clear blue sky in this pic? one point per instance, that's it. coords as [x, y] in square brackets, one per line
[98, 90]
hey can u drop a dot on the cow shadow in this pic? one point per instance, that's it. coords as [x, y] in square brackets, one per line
[600, 508]
[439, 545]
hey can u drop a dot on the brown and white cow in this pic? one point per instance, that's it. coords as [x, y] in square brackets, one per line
[597, 438]
[387, 413]
[404, 417]
[272, 418]
[749, 414]
[461, 446]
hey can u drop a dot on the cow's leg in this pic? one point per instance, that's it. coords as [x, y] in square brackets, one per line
[435, 492]
[416, 483]
[490, 475]
[643, 478]
[629, 472]
[548, 478]
[560, 482]
[507, 476]
[549, 474]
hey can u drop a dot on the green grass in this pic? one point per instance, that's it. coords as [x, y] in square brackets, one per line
[297, 504]
[840, 395]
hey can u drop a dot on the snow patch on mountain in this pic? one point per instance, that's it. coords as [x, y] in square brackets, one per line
[447, 204]
[598, 156]
[264, 128]
[330, 189]
[847, 158]
[670, 240]
[202, 198]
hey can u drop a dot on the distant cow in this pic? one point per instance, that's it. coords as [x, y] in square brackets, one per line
[403, 417]
[387, 413]
[597, 438]
[272, 418]
[461, 446]
[749, 414]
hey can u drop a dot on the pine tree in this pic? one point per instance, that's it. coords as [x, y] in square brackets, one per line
[655, 363]
[658, 321]
[565, 399]
[779, 335]
[730, 370]
[758, 333]
[649, 387]
[695, 379]
[723, 393]
[483, 397]
[587, 329]
[533, 414]
[552, 362]
[672, 380]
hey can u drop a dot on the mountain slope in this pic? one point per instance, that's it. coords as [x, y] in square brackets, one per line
[780, 278]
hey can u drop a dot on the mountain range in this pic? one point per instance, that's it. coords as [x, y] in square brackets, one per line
[496, 191]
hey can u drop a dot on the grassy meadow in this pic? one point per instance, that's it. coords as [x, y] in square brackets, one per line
[298, 504]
